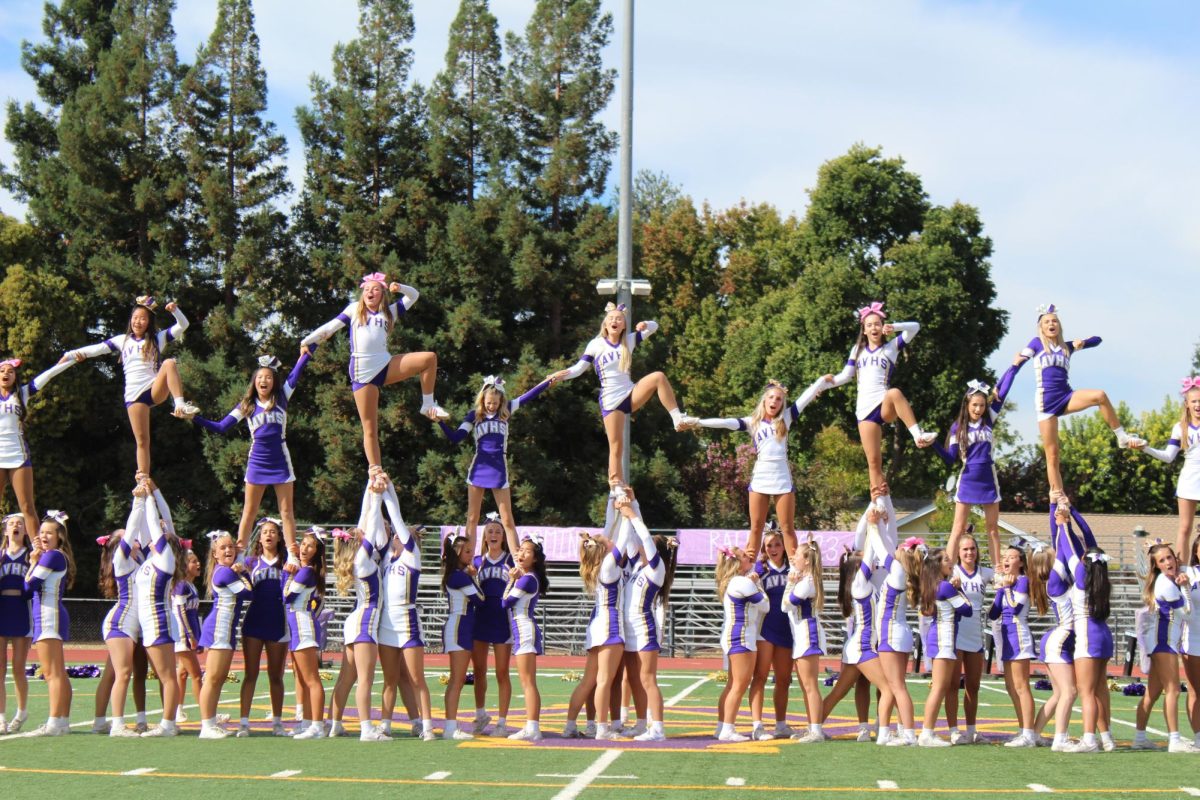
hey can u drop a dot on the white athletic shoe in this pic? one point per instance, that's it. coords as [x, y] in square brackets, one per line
[1062, 747]
[141, 728]
[610, 736]
[458, 735]
[160, 731]
[213, 733]
[864, 735]
[733, 737]
[315, 731]
[1020, 740]
[243, 731]
[651, 736]
[687, 422]
[526, 735]
[373, 735]
[481, 723]
[571, 731]
[97, 727]
[1131, 440]
[1080, 747]
[635, 731]
[221, 719]
[501, 731]
[438, 412]
[16, 724]
[122, 732]
[900, 740]
[884, 737]
[336, 728]
[783, 730]
[589, 730]
[180, 716]
[930, 739]
[759, 734]
[1108, 745]
[808, 737]
[958, 737]
[927, 437]
[186, 409]
[1182, 746]
[1143, 744]
[279, 729]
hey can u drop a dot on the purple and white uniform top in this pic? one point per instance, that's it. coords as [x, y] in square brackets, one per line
[1093, 637]
[16, 613]
[604, 626]
[369, 356]
[400, 625]
[977, 483]
[14, 449]
[1052, 366]
[1169, 612]
[859, 644]
[605, 358]
[185, 601]
[1190, 640]
[362, 624]
[643, 606]
[269, 462]
[1188, 486]
[745, 605]
[266, 616]
[1011, 607]
[808, 637]
[229, 590]
[47, 582]
[772, 580]
[1058, 643]
[493, 623]
[301, 616]
[973, 585]
[462, 599]
[121, 622]
[772, 473]
[154, 581]
[892, 608]
[140, 372]
[950, 607]
[520, 598]
[489, 467]
[874, 366]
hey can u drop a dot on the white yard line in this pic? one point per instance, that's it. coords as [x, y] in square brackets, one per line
[735, 781]
[585, 778]
[888, 784]
[1040, 787]
[685, 692]
[437, 776]
[140, 771]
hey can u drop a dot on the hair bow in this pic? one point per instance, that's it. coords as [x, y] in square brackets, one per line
[16, 362]
[1046, 308]
[317, 532]
[492, 516]
[1036, 545]
[913, 543]
[1097, 557]
[103, 540]
[278, 523]
[1190, 383]
[270, 362]
[614, 307]
[875, 307]
[726, 551]
[494, 382]
[186, 544]
[771, 527]
[974, 386]
[148, 301]
[58, 516]
[536, 539]
[1153, 543]
[775, 384]
[455, 533]
[377, 277]
[341, 534]
[214, 535]
[14, 515]
[673, 542]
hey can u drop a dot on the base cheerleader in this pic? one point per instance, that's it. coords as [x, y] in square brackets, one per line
[1185, 438]
[527, 583]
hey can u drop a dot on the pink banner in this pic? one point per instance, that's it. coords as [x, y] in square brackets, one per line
[560, 544]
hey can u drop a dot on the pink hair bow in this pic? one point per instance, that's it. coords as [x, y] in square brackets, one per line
[186, 544]
[1189, 383]
[103, 540]
[726, 551]
[341, 534]
[913, 542]
[874, 308]
[377, 277]
[11, 362]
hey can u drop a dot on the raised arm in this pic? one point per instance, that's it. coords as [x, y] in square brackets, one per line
[581, 366]
[456, 435]
[514, 404]
[1084, 344]
[293, 378]
[104, 348]
[646, 329]
[806, 397]
[847, 373]
[42, 379]
[329, 328]
[1089, 538]
[408, 297]
[1004, 386]
[175, 331]
[224, 426]
[906, 332]
[392, 502]
[726, 423]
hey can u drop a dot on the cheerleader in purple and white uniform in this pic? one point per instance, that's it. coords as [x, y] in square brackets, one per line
[943, 600]
[264, 407]
[609, 355]
[493, 623]
[458, 633]
[774, 645]
[303, 594]
[1011, 607]
[16, 464]
[1166, 594]
[1054, 397]
[1190, 640]
[159, 625]
[973, 580]
[16, 619]
[803, 600]
[901, 582]
[401, 642]
[1050, 590]
[969, 444]
[121, 630]
[527, 582]
[739, 588]
[370, 320]
[1185, 436]
[185, 601]
[488, 423]
[264, 626]
[872, 360]
[228, 587]
[148, 377]
[51, 573]
[772, 476]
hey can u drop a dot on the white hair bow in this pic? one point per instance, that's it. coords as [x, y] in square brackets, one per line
[495, 382]
[974, 386]
[318, 532]
[214, 535]
[58, 516]
[1046, 308]
[1097, 557]
[270, 362]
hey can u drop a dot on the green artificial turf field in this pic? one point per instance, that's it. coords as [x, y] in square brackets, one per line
[689, 766]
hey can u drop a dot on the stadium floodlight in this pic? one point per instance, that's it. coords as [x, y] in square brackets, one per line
[606, 286]
[640, 287]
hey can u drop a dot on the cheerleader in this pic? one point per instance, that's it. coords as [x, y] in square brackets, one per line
[228, 588]
[16, 620]
[1050, 589]
[527, 582]
[264, 407]
[370, 320]
[185, 601]
[51, 573]
[1190, 641]
[1054, 397]
[943, 600]
[1010, 606]
[121, 629]
[739, 588]
[493, 623]
[400, 638]
[148, 378]
[649, 590]
[163, 566]
[16, 466]
[1164, 595]
[265, 625]
[872, 360]
[970, 444]
[973, 581]
[901, 585]
[304, 587]
[774, 645]
[600, 561]
[1187, 490]
[772, 475]
[458, 633]
[1091, 593]
[488, 423]
[803, 599]
[609, 354]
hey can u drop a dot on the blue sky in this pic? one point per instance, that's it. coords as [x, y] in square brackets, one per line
[1072, 126]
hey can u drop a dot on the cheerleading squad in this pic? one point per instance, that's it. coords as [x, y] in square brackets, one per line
[771, 590]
